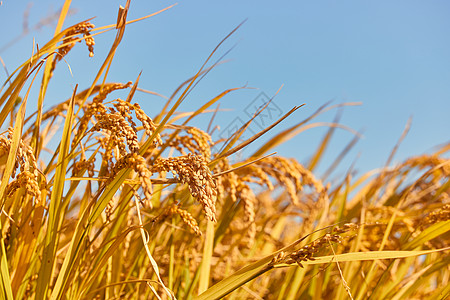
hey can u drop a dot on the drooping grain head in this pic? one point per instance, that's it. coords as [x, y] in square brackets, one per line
[193, 171]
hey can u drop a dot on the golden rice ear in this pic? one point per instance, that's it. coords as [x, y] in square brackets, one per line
[192, 170]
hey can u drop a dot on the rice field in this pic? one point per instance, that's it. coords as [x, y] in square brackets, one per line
[131, 206]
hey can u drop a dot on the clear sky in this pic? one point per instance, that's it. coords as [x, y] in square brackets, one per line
[393, 56]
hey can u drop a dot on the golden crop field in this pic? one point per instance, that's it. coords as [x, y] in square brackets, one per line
[131, 206]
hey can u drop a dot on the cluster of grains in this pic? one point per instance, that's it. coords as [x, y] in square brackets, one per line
[116, 124]
[196, 141]
[421, 194]
[25, 180]
[82, 165]
[420, 204]
[138, 164]
[294, 177]
[109, 210]
[429, 161]
[315, 207]
[125, 108]
[306, 252]
[185, 216]
[287, 173]
[376, 213]
[226, 183]
[374, 233]
[25, 162]
[290, 174]
[248, 199]
[440, 215]
[70, 39]
[255, 174]
[192, 170]
[118, 130]
[96, 108]
[119, 134]
[235, 185]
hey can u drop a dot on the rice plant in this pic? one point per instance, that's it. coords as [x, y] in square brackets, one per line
[130, 206]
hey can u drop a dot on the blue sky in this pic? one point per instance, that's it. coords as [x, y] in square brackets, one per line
[393, 56]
